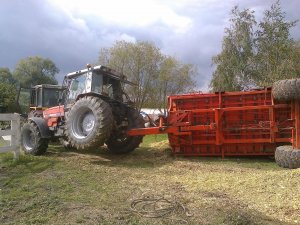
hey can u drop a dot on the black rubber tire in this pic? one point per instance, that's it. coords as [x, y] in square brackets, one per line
[286, 90]
[31, 140]
[65, 143]
[278, 156]
[127, 144]
[295, 159]
[287, 157]
[103, 123]
[286, 154]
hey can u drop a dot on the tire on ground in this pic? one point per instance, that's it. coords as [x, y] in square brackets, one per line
[120, 143]
[89, 123]
[31, 140]
[278, 156]
[287, 157]
[286, 90]
[65, 143]
[294, 159]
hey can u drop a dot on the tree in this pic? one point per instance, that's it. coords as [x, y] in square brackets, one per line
[7, 96]
[143, 63]
[6, 76]
[254, 59]
[173, 78]
[234, 64]
[297, 56]
[276, 54]
[35, 70]
[7, 91]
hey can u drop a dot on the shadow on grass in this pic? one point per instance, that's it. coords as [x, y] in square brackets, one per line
[142, 157]
[260, 163]
[146, 157]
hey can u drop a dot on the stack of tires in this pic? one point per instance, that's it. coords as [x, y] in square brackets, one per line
[287, 90]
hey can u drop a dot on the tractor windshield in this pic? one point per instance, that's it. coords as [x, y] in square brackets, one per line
[50, 97]
[77, 87]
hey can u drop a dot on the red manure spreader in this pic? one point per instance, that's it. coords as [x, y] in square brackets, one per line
[258, 122]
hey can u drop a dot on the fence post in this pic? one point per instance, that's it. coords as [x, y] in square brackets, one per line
[16, 135]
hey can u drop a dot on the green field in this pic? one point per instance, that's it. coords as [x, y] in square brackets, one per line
[95, 187]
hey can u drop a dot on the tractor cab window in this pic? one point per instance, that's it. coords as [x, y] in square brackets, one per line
[77, 87]
[50, 98]
[97, 83]
[39, 97]
[112, 88]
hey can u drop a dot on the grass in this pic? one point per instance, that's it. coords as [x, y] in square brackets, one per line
[94, 187]
[149, 140]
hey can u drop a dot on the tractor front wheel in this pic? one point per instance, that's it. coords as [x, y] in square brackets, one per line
[31, 140]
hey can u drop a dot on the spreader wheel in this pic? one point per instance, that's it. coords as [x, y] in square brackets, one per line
[286, 90]
[287, 157]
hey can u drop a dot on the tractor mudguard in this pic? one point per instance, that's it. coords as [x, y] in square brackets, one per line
[42, 125]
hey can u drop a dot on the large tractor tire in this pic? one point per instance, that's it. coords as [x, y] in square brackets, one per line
[31, 140]
[89, 123]
[286, 90]
[287, 157]
[65, 143]
[119, 142]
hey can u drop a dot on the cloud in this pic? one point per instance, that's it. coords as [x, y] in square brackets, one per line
[71, 33]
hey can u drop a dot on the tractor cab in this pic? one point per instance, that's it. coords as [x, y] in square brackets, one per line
[99, 80]
[33, 101]
[44, 96]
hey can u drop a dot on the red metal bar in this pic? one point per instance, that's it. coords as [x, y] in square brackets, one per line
[297, 124]
[249, 141]
[218, 115]
[152, 130]
[198, 127]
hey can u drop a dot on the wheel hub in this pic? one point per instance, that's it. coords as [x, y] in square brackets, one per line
[88, 123]
[83, 123]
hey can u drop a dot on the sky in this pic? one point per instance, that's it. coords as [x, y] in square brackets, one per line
[71, 32]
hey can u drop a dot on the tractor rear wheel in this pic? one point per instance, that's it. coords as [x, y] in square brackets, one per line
[65, 143]
[89, 123]
[286, 90]
[119, 142]
[31, 140]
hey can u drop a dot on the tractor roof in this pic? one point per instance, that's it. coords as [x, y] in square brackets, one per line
[105, 70]
[50, 86]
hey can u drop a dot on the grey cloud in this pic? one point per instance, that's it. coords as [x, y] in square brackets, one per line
[37, 28]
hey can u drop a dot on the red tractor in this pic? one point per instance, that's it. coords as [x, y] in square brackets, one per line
[93, 110]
